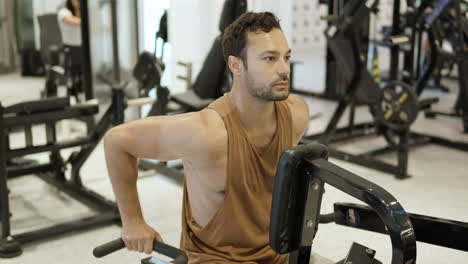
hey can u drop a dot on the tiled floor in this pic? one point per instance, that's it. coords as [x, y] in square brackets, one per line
[439, 187]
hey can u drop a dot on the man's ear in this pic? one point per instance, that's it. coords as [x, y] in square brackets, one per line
[235, 65]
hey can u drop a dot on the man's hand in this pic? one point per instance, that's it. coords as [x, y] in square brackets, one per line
[139, 236]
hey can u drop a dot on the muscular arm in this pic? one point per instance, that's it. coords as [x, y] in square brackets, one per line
[162, 138]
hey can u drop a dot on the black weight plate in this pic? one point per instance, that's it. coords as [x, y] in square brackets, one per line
[398, 107]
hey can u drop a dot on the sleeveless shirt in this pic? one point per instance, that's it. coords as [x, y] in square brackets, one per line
[239, 230]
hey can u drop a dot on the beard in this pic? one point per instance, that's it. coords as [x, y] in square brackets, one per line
[265, 91]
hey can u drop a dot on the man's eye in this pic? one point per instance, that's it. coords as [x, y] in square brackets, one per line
[269, 58]
[288, 58]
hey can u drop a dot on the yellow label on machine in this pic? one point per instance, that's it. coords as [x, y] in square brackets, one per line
[388, 114]
[403, 97]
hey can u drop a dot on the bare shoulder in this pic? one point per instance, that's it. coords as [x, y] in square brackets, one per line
[214, 130]
[182, 136]
[300, 114]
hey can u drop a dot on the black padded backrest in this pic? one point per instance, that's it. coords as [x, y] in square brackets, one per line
[232, 9]
[289, 197]
[210, 78]
[50, 34]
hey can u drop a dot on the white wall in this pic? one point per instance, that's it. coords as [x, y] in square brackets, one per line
[193, 25]
[128, 49]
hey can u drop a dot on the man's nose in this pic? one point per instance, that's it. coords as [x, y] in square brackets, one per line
[284, 67]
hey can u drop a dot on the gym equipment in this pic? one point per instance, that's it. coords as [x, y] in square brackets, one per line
[297, 194]
[394, 107]
[51, 50]
[177, 255]
[211, 82]
[63, 64]
[454, 28]
[49, 112]
[398, 107]
[295, 215]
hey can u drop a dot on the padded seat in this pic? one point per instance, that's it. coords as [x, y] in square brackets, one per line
[38, 106]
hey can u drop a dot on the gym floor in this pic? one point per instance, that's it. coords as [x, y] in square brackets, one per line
[438, 187]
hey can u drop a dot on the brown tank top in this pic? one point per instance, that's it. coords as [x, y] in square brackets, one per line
[239, 231]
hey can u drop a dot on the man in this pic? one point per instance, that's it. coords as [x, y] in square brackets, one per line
[229, 150]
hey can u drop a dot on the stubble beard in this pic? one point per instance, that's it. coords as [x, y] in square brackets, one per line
[265, 91]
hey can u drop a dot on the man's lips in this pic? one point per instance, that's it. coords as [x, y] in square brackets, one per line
[284, 84]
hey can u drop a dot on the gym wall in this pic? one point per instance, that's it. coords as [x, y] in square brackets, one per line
[193, 25]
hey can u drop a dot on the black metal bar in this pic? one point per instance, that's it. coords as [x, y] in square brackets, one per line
[73, 226]
[432, 230]
[71, 112]
[342, 133]
[421, 82]
[460, 145]
[53, 147]
[394, 50]
[28, 135]
[137, 27]
[4, 192]
[366, 160]
[434, 113]
[380, 151]
[387, 207]
[51, 135]
[460, 49]
[78, 160]
[85, 44]
[80, 193]
[115, 41]
[403, 151]
[29, 169]
[118, 106]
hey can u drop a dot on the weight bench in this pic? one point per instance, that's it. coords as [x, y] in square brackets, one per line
[48, 112]
[297, 196]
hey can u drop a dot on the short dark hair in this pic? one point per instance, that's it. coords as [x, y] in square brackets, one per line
[235, 37]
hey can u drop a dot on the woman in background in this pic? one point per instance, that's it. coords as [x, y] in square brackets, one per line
[69, 19]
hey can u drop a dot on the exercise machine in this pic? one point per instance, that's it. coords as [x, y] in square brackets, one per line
[178, 256]
[395, 105]
[301, 176]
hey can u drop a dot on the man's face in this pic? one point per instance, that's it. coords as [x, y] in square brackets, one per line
[268, 68]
